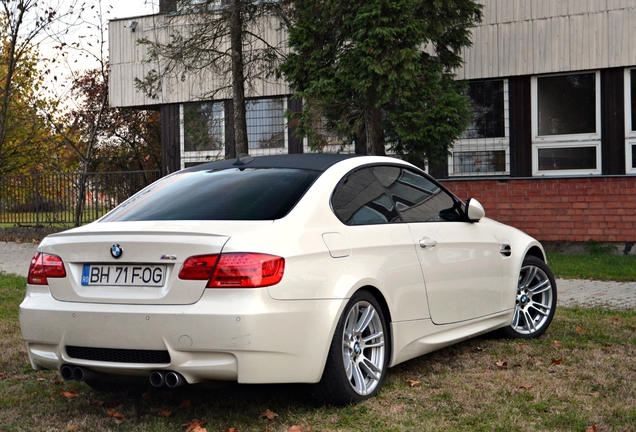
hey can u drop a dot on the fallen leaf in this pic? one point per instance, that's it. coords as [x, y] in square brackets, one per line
[526, 386]
[501, 364]
[41, 379]
[269, 414]
[557, 361]
[164, 412]
[413, 383]
[115, 414]
[522, 344]
[579, 330]
[72, 427]
[538, 363]
[230, 430]
[556, 344]
[185, 404]
[3, 375]
[68, 394]
[299, 428]
[195, 426]
[593, 428]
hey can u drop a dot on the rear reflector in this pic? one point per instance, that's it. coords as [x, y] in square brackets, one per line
[45, 266]
[235, 270]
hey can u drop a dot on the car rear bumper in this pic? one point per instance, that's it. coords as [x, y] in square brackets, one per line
[241, 335]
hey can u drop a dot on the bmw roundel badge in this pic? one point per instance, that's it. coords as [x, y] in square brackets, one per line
[116, 250]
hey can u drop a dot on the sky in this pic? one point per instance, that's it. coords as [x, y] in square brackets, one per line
[62, 70]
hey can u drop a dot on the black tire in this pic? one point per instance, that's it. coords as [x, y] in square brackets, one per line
[359, 354]
[536, 300]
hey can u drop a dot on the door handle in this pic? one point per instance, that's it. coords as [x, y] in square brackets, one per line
[427, 243]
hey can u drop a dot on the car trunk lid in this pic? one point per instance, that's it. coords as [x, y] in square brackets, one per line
[150, 257]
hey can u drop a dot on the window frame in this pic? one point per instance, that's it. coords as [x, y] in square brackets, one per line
[630, 133]
[578, 144]
[566, 140]
[274, 150]
[199, 156]
[470, 145]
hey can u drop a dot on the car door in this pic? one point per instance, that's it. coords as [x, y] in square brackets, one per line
[461, 261]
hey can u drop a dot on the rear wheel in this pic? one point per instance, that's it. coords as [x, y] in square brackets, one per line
[536, 300]
[359, 353]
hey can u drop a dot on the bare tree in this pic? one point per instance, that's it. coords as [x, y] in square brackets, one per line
[224, 37]
[25, 24]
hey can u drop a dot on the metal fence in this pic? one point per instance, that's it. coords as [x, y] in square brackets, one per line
[63, 200]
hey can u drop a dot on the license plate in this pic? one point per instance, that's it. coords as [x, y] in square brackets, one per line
[123, 275]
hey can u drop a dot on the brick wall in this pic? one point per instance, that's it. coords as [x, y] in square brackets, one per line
[564, 209]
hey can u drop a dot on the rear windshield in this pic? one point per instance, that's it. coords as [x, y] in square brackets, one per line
[231, 194]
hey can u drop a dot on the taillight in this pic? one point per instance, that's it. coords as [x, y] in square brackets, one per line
[198, 267]
[234, 270]
[45, 266]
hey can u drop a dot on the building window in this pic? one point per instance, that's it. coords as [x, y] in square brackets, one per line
[266, 126]
[483, 148]
[566, 124]
[630, 121]
[202, 132]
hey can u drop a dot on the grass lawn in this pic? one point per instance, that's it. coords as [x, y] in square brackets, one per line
[581, 373]
[599, 266]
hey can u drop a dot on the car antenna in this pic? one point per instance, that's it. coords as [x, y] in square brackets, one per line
[243, 159]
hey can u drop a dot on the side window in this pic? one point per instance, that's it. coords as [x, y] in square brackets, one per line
[417, 198]
[361, 200]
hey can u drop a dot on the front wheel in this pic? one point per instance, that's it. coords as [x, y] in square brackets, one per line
[358, 355]
[536, 300]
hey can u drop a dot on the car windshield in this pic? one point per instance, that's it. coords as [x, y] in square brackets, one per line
[229, 194]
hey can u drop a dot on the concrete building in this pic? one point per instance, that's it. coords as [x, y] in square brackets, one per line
[552, 146]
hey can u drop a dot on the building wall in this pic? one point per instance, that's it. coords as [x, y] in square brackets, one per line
[563, 209]
[128, 60]
[527, 37]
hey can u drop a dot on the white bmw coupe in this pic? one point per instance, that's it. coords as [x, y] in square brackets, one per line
[315, 268]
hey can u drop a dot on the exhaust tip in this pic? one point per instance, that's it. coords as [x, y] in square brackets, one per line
[157, 378]
[174, 379]
[66, 372]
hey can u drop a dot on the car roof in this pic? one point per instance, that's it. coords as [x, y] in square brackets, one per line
[307, 161]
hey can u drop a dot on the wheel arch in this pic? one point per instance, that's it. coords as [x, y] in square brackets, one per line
[377, 294]
[536, 252]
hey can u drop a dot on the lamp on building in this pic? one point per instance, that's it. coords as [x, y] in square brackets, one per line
[132, 25]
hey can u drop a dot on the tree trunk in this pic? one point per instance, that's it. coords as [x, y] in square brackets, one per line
[374, 131]
[238, 78]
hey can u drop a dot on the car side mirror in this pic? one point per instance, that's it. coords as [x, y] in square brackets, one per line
[474, 210]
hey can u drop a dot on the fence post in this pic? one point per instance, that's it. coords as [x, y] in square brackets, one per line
[96, 198]
[37, 199]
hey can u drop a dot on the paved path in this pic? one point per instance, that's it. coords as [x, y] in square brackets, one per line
[16, 257]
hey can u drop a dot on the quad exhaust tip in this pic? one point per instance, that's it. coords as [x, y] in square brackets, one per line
[158, 379]
[168, 378]
[77, 373]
